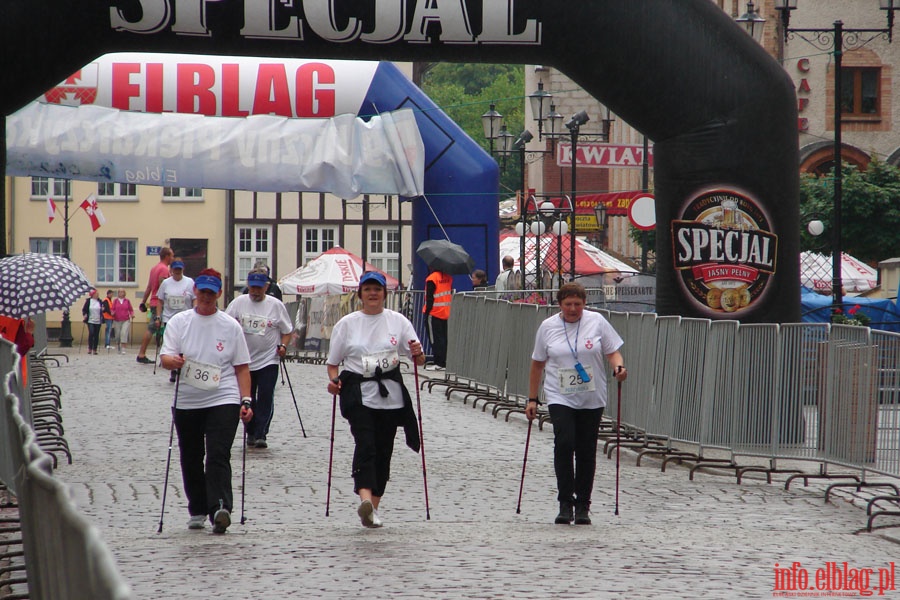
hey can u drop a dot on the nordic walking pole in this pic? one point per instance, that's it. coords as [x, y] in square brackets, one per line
[331, 452]
[618, 445]
[524, 462]
[158, 340]
[169, 458]
[243, 472]
[291, 387]
[421, 440]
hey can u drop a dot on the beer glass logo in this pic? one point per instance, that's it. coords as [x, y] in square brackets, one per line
[724, 252]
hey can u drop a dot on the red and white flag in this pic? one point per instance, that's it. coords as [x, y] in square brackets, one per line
[93, 211]
[51, 209]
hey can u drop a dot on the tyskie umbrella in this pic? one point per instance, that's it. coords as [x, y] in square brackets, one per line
[33, 283]
[336, 271]
[446, 257]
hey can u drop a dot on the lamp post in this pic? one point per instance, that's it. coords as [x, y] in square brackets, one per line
[752, 22]
[65, 326]
[836, 39]
[491, 122]
[524, 137]
[600, 212]
[574, 125]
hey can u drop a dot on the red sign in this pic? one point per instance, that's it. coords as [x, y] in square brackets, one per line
[604, 156]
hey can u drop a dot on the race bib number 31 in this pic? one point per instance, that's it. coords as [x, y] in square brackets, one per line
[201, 375]
[387, 360]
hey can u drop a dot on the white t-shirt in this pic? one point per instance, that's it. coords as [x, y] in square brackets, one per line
[363, 341]
[591, 339]
[507, 280]
[263, 324]
[214, 344]
[175, 296]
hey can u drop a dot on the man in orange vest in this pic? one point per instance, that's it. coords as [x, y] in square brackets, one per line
[438, 293]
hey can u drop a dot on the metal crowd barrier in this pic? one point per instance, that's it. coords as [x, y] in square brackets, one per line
[64, 555]
[768, 398]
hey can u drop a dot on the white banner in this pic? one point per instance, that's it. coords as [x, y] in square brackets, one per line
[345, 155]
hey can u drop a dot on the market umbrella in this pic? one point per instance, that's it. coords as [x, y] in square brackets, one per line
[336, 271]
[33, 283]
[446, 257]
[816, 273]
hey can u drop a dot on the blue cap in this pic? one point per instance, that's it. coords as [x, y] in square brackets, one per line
[373, 276]
[208, 282]
[177, 265]
[257, 280]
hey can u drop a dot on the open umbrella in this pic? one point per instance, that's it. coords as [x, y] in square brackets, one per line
[336, 271]
[33, 283]
[446, 257]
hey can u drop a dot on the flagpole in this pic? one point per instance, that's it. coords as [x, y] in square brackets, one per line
[65, 329]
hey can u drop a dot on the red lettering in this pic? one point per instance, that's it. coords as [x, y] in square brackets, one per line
[803, 65]
[802, 103]
[196, 81]
[122, 88]
[154, 103]
[311, 100]
[804, 86]
[231, 91]
[803, 124]
[272, 95]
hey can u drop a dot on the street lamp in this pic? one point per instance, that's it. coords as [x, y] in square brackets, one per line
[491, 122]
[65, 326]
[602, 214]
[538, 100]
[574, 126]
[524, 137]
[833, 39]
[752, 22]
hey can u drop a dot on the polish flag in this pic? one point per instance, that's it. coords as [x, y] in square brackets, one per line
[51, 209]
[93, 211]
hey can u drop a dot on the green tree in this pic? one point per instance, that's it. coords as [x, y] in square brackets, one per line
[465, 91]
[870, 219]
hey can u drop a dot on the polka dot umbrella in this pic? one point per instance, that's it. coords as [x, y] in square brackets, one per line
[33, 283]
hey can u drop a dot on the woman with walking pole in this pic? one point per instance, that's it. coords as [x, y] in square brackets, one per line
[209, 348]
[373, 397]
[569, 350]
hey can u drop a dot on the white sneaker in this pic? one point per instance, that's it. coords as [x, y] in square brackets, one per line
[376, 520]
[366, 512]
[197, 522]
[430, 367]
[439, 368]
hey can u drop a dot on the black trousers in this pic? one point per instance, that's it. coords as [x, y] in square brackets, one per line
[209, 432]
[575, 433]
[374, 432]
[262, 390]
[437, 334]
[93, 335]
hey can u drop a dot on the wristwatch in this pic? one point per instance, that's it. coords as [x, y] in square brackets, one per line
[281, 346]
[246, 401]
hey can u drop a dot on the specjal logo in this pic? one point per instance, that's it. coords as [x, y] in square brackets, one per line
[724, 252]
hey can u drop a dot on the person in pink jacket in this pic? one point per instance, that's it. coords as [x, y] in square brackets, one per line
[122, 312]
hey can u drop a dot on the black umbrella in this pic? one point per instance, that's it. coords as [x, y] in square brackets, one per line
[34, 283]
[446, 257]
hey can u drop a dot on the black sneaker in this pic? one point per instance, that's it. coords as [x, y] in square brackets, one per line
[251, 441]
[582, 513]
[221, 520]
[261, 443]
[144, 360]
[566, 514]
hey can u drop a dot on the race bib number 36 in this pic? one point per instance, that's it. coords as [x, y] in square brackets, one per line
[387, 360]
[201, 375]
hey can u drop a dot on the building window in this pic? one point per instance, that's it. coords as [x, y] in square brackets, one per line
[860, 91]
[384, 250]
[116, 260]
[44, 187]
[252, 245]
[116, 191]
[317, 240]
[54, 246]
[174, 194]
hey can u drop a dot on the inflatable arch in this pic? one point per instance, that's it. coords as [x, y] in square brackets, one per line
[721, 112]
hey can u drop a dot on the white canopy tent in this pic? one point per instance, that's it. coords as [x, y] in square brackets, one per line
[336, 271]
